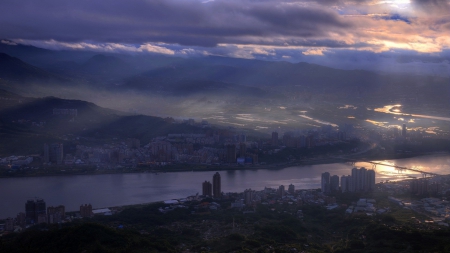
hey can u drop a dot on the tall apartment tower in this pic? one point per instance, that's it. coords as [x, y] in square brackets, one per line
[217, 189]
[346, 183]
[53, 153]
[291, 189]
[362, 180]
[40, 208]
[334, 183]
[29, 211]
[248, 196]
[281, 191]
[404, 130]
[355, 181]
[274, 139]
[34, 209]
[325, 182]
[207, 188]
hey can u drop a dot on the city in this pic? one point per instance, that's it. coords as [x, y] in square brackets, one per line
[192, 126]
[222, 147]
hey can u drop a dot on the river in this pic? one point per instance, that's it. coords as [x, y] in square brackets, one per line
[126, 189]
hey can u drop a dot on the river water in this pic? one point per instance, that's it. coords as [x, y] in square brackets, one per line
[125, 189]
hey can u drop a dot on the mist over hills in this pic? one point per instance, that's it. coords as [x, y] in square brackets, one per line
[147, 71]
[26, 123]
[144, 91]
[156, 84]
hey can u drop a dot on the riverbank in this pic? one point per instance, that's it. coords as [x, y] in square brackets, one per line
[92, 170]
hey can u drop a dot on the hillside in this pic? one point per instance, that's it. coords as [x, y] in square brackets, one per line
[27, 123]
[15, 70]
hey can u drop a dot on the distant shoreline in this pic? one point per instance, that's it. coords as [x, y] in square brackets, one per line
[202, 167]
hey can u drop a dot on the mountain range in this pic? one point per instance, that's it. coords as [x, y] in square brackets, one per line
[184, 76]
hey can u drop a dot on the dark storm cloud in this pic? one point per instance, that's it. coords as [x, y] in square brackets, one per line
[170, 21]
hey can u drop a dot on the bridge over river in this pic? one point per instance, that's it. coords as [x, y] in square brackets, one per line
[398, 168]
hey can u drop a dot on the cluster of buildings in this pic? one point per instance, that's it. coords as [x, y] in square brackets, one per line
[37, 212]
[366, 206]
[212, 147]
[214, 189]
[424, 187]
[437, 186]
[361, 180]
[248, 199]
[173, 148]
[16, 161]
[438, 210]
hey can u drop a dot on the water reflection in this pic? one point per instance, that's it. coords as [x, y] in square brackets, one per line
[395, 109]
[126, 189]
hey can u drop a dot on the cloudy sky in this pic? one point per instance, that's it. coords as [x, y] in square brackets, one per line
[377, 34]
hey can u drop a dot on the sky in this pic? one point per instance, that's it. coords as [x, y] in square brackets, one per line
[383, 35]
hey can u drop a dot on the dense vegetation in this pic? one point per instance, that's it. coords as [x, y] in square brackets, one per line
[270, 229]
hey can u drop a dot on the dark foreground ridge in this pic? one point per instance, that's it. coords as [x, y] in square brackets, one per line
[272, 227]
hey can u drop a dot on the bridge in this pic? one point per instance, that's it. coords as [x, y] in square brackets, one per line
[398, 168]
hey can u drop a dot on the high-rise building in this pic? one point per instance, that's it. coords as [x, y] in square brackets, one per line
[291, 189]
[217, 188]
[362, 180]
[334, 183]
[207, 188]
[40, 208]
[34, 209]
[423, 187]
[248, 196]
[53, 153]
[231, 153]
[29, 211]
[346, 183]
[404, 130]
[86, 210]
[325, 182]
[281, 191]
[274, 139]
[355, 181]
